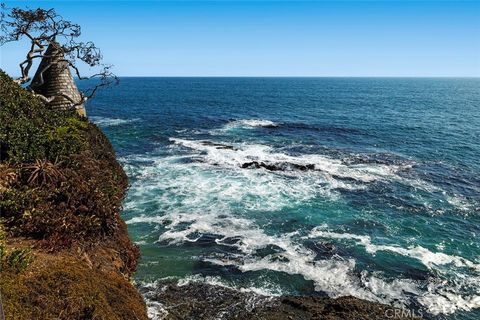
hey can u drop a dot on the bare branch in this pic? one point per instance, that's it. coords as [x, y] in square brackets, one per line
[44, 28]
[42, 81]
[43, 98]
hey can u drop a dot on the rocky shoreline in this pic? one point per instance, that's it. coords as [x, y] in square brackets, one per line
[197, 300]
[65, 252]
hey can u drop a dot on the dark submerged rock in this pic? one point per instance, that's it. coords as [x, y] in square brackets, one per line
[282, 166]
[218, 145]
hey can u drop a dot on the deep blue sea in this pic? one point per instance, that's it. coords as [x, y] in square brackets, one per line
[309, 186]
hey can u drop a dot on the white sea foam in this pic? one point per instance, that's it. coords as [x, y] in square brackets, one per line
[461, 203]
[245, 124]
[110, 122]
[336, 276]
[210, 197]
[444, 297]
[334, 169]
[444, 301]
[425, 256]
[156, 310]
[331, 173]
[144, 219]
[186, 187]
[251, 123]
[263, 289]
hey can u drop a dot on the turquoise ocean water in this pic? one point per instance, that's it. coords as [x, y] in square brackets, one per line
[308, 186]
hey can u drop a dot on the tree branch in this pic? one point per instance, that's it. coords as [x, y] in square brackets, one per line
[45, 28]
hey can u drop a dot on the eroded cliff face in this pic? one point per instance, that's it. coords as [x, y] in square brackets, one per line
[64, 249]
[70, 284]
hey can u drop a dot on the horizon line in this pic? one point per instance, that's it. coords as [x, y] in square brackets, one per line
[285, 76]
[281, 76]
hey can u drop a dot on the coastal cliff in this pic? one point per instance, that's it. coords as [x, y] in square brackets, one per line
[64, 250]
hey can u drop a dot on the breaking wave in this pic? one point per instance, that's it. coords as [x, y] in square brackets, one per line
[202, 192]
[110, 122]
[336, 276]
[428, 258]
[235, 156]
[251, 123]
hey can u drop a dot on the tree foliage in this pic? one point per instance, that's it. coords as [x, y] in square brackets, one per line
[42, 28]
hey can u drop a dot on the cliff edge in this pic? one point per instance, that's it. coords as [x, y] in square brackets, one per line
[64, 250]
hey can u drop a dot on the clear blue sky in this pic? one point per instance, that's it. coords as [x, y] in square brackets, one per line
[288, 38]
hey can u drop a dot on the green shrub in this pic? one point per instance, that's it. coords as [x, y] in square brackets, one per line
[14, 260]
[30, 130]
[64, 183]
[18, 260]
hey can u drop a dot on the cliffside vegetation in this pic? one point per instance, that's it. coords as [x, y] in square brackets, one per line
[64, 250]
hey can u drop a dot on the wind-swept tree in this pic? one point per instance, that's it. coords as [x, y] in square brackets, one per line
[53, 40]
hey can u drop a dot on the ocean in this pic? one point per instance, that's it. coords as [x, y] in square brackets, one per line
[367, 187]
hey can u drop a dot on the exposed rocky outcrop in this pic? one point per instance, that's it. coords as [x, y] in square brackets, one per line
[205, 301]
[281, 166]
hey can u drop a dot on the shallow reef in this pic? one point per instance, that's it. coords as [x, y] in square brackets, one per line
[197, 300]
